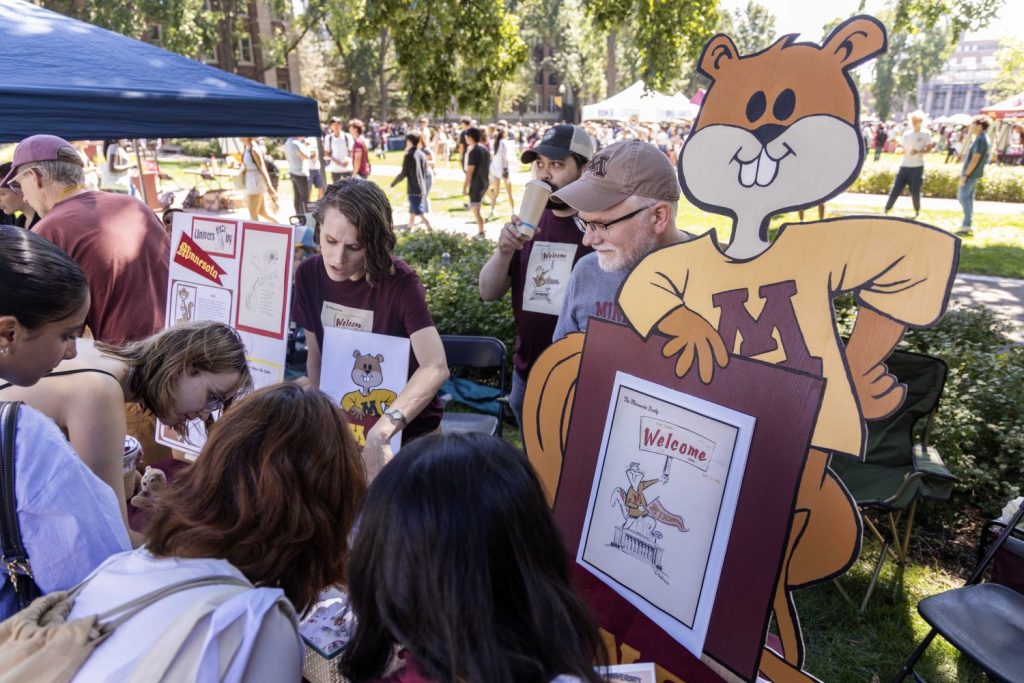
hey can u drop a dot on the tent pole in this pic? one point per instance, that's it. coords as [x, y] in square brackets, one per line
[323, 163]
[138, 161]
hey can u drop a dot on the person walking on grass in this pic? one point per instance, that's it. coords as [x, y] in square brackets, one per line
[916, 143]
[414, 172]
[478, 163]
[973, 168]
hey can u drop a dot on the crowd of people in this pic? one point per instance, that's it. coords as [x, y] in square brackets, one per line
[448, 551]
[290, 494]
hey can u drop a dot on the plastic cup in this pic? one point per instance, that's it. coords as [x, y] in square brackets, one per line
[535, 198]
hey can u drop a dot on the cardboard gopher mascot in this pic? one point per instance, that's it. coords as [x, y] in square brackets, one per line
[778, 131]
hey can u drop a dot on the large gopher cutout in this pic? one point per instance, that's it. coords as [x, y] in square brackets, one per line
[778, 131]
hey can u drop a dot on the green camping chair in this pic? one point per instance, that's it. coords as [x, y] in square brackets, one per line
[899, 467]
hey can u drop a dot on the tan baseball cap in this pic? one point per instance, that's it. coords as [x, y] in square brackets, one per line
[626, 169]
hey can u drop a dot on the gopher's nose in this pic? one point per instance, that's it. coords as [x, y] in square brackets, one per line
[768, 132]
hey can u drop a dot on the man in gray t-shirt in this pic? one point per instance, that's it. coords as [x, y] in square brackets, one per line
[626, 202]
[916, 143]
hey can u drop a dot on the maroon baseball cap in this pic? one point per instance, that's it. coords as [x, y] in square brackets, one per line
[41, 148]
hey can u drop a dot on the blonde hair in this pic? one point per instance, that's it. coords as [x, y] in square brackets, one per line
[156, 363]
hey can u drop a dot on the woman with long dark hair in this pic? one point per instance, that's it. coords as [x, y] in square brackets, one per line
[67, 518]
[458, 564]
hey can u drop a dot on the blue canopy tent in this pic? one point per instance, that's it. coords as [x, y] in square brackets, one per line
[70, 78]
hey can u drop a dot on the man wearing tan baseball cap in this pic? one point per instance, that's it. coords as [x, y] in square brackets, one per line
[626, 202]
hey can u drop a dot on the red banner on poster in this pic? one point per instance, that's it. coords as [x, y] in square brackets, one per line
[195, 258]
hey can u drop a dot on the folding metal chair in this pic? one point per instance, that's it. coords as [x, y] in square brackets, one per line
[985, 621]
[899, 466]
[480, 353]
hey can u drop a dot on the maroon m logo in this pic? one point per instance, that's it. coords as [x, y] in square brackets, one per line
[598, 166]
[777, 314]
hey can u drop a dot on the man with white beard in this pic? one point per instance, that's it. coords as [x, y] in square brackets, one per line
[626, 203]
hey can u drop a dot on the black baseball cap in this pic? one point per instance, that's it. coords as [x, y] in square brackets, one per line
[559, 141]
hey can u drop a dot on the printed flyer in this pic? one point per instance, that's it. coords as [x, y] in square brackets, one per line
[237, 273]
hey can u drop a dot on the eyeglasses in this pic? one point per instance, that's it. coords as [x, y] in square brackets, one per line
[14, 184]
[584, 225]
[215, 403]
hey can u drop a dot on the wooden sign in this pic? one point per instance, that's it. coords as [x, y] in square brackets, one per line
[778, 130]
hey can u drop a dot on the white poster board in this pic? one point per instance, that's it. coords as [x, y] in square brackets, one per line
[662, 503]
[364, 373]
[238, 273]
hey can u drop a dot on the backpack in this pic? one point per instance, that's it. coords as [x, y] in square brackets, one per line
[40, 644]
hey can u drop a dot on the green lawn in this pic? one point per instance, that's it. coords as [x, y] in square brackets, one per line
[846, 647]
[997, 247]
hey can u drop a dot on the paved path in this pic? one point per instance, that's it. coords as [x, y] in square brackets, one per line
[1004, 295]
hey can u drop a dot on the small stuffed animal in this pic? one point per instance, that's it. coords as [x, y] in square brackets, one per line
[153, 481]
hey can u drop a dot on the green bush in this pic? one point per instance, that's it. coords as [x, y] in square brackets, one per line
[1000, 183]
[452, 292]
[199, 148]
[979, 428]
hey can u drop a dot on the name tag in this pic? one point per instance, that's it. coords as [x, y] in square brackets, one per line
[345, 317]
[547, 276]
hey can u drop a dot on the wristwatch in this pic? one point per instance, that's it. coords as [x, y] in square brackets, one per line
[397, 417]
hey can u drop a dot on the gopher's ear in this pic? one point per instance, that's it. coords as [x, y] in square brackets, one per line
[380, 358]
[718, 53]
[356, 354]
[856, 40]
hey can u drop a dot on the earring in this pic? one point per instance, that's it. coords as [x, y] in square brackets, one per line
[5, 351]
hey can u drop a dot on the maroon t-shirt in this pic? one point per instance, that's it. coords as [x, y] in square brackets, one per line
[540, 273]
[124, 251]
[397, 305]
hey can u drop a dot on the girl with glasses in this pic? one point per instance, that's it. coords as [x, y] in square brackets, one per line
[180, 374]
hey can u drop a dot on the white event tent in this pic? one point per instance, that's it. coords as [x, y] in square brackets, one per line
[650, 106]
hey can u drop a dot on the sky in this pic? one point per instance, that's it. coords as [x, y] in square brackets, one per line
[808, 16]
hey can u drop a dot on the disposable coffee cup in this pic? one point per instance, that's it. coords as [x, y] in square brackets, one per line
[535, 198]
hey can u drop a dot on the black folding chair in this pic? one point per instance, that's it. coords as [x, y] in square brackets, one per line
[479, 353]
[899, 465]
[985, 621]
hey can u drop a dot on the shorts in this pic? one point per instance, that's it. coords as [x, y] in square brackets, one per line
[475, 196]
[316, 179]
[416, 204]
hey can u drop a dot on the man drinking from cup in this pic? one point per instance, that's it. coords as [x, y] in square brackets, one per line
[537, 250]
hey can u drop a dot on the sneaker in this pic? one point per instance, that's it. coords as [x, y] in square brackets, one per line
[964, 232]
[480, 236]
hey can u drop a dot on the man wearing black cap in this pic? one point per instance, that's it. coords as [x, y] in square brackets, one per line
[537, 270]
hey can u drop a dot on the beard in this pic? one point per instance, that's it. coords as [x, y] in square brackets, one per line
[626, 258]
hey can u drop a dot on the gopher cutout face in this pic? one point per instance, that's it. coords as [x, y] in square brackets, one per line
[794, 140]
[366, 372]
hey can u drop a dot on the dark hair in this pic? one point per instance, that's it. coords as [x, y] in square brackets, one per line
[581, 161]
[366, 207]
[414, 138]
[457, 558]
[5, 168]
[473, 133]
[275, 492]
[40, 282]
[496, 140]
[465, 119]
[982, 121]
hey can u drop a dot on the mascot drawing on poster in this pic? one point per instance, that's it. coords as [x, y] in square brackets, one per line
[638, 534]
[778, 131]
[365, 405]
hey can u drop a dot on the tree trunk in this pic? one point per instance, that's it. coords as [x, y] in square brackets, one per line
[611, 73]
[382, 75]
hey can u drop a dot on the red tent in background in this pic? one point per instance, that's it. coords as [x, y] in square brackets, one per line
[698, 96]
[1007, 109]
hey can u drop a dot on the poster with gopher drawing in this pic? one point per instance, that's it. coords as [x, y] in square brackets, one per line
[364, 372]
[778, 131]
